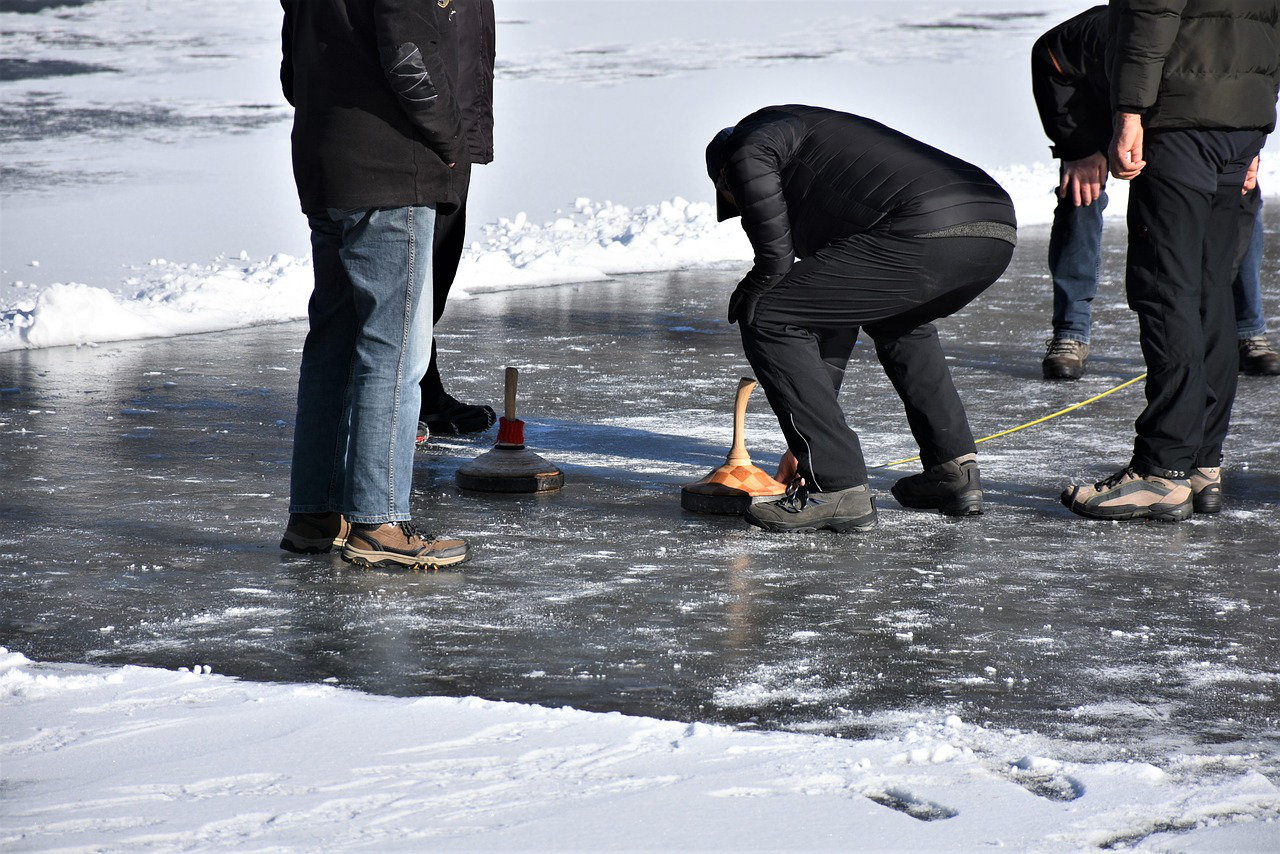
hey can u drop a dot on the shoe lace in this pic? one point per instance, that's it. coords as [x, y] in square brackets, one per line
[1115, 479]
[797, 496]
[1256, 346]
[411, 532]
[1063, 347]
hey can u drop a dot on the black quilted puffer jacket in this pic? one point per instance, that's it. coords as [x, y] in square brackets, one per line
[802, 177]
[1196, 63]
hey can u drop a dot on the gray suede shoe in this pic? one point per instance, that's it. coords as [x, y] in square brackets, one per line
[802, 510]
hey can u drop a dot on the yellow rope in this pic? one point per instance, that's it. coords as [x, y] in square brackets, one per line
[1070, 408]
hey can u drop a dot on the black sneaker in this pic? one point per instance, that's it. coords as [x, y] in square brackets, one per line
[954, 487]
[450, 417]
[802, 510]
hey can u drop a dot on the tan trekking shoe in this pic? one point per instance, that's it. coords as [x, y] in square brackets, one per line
[314, 533]
[1064, 359]
[1128, 494]
[399, 545]
[1206, 490]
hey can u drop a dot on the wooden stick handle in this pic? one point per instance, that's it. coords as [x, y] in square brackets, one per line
[513, 375]
[738, 455]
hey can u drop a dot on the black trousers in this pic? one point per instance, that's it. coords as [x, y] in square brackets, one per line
[1186, 215]
[894, 287]
[446, 253]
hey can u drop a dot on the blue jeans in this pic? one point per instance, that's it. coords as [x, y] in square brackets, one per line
[1075, 258]
[368, 346]
[1247, 287]
[1075, 262]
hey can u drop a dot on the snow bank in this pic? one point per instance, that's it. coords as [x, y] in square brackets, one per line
[593, 243]
[128, 758]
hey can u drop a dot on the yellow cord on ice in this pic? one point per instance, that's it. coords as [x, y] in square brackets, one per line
[1049, 417]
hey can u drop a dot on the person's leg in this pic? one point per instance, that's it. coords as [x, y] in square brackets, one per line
[318, 476]
[387, 257]
[446, 254]
[798, 383]
[1168, 221]
[1246, 288]
[1075, 262]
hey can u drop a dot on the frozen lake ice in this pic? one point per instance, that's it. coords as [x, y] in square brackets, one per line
[147, 487]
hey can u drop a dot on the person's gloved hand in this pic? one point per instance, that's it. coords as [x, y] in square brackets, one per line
[742, 303]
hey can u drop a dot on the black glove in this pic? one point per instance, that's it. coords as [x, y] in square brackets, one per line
[743, 300]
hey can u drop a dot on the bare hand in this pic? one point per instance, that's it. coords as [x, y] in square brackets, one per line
[788, 466]
[1083, 180]
[1126, 147]
[1250, 177]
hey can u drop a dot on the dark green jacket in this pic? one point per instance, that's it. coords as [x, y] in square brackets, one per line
[1196, 63]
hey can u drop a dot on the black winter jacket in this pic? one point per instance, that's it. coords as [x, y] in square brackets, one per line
[373, 83]
[803, 177]
[476, 28]
[1069, 82]
[1196, 63]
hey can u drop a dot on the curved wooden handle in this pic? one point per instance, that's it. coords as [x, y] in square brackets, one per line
[509, 408]
[738, 453]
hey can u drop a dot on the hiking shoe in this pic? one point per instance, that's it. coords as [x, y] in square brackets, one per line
[802, 510]
[399, 545]
[314, 533]
[1127, 494]
[954, 487]
[1064, 359]
[450, 417]
[1257, 356]
[1206, 490]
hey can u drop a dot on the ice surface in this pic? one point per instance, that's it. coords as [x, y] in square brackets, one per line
[149, 484]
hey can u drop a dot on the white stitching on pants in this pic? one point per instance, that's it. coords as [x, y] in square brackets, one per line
[808, 449]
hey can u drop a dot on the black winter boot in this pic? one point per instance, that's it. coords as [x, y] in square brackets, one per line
[801, 510]
[954, 487]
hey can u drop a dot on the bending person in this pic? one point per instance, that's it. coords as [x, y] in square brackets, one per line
[891, 234]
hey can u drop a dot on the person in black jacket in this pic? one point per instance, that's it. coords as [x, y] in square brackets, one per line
[1193, 90]
[441, 413]
[376, 134]
[1069, 82]
[891, 234]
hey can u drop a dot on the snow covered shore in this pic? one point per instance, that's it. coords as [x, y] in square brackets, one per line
[132, 758]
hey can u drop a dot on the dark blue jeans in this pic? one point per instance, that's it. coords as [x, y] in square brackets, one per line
[367, 348]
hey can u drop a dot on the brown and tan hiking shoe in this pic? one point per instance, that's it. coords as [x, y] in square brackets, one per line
[399, 545]
[1128, 494]
[1206, 490]
[1257, 356]
[1064, 359]
[314, 533]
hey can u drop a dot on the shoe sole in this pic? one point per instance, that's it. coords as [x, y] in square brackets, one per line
[392, 560]
[964, 504]
[1061, 373]
[1125, 512]
[858, 525]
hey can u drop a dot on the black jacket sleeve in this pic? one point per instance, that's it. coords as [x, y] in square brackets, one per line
[1068, 82]
[409, 47]
[286, 49]
[754, 176]
[1142, 34]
